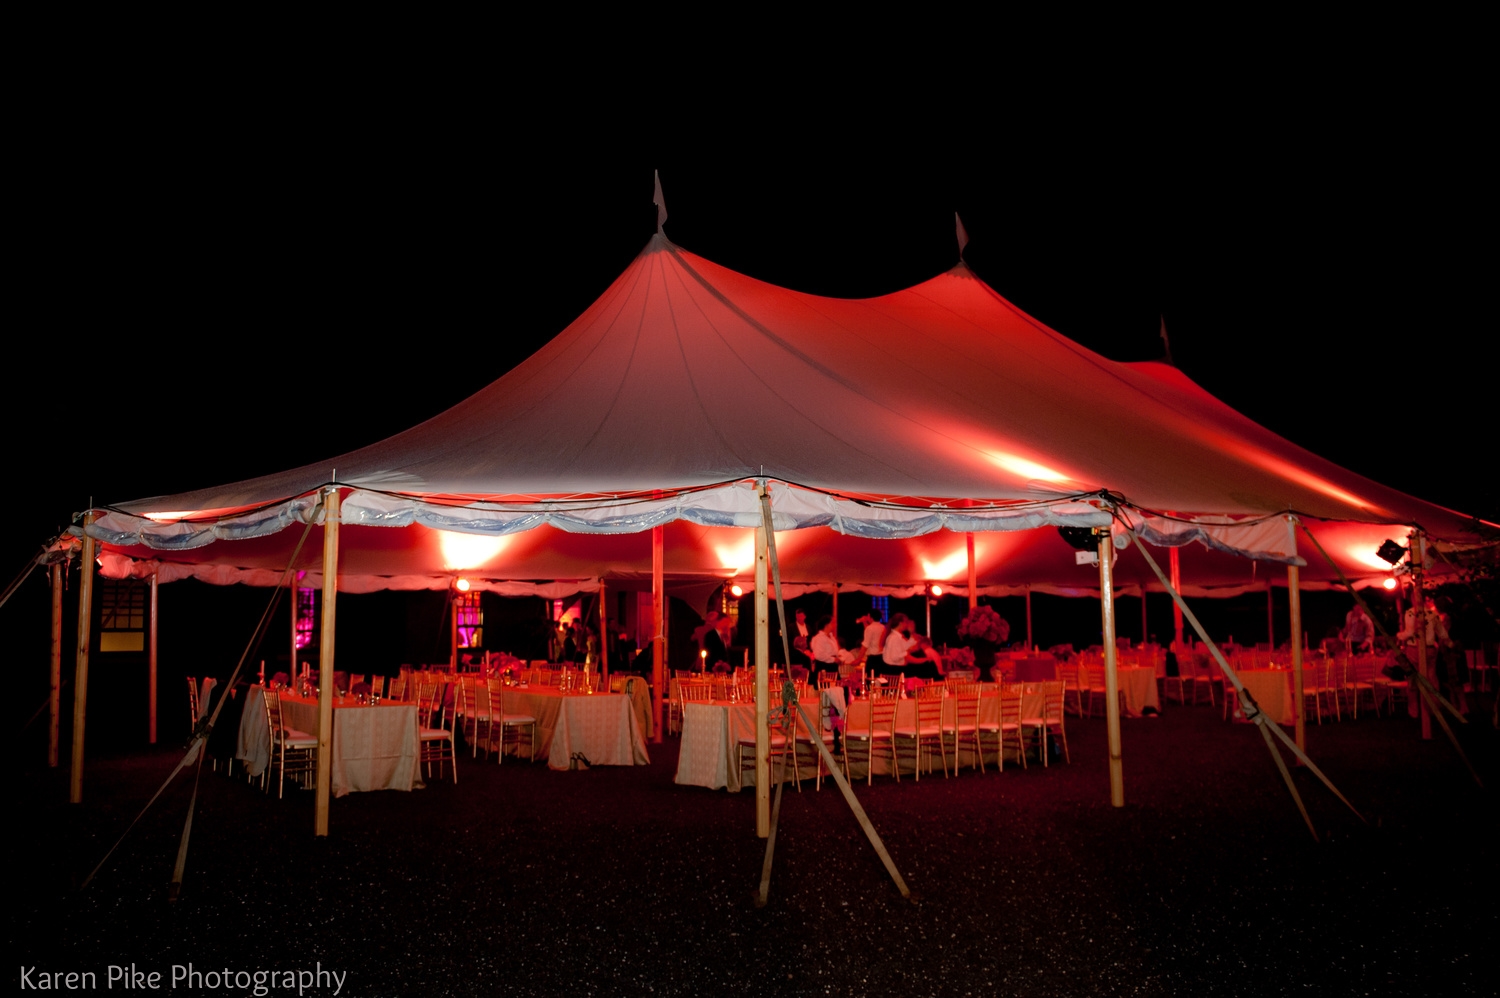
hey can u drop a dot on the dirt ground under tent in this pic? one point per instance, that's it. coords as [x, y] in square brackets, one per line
[519, 880]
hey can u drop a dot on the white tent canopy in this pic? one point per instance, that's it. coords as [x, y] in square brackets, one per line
[937, 409]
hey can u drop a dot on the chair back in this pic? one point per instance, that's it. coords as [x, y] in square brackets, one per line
[966, 704]
[1052, 702]
[192, 682]
[1010, 705]
[272, 699]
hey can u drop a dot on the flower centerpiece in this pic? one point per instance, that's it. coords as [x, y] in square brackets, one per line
[958, 658]
[985, 631]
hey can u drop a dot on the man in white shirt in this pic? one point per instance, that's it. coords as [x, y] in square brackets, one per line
[874, 641]
[826, 653]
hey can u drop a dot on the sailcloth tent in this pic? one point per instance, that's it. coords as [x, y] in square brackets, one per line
[915, 416]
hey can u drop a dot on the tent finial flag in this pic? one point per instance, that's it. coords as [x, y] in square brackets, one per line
[660, 202]
[1166, 343]
[962, 233]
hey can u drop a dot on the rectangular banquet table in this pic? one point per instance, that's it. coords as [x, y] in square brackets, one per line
[374, 748]
[711, 729]
[602, 726]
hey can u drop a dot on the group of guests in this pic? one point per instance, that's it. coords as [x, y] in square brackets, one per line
[892, 647]
[715, 638]
[574, 642]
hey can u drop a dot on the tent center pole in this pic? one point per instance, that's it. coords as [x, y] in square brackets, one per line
[1175, 567]
[762, 685]
[974, 576]
[658, 623]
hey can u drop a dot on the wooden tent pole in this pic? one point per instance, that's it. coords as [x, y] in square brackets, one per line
[325, 657]
[1176, 569]
[762, 686]
[81, 661]
[54, 697]
[151, 662]
[1145, 633]
[835, 610]
[974, 575]
[1111, 669]
[453, 630]
[1030, 641]
[658, 621]
[1419, 601]
[1294, 600]
[292, 657]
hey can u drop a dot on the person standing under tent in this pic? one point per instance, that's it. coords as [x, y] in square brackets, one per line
[874, 640]
[1359, 630]
[897, 641]
[802, 633]
[924, 661]
[1422, 622]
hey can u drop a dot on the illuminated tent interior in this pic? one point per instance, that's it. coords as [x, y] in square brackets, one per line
[887, 428]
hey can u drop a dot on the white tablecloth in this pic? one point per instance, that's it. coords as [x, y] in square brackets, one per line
[374, 748]
[1139, 687]
[711, 729]
[603, 726]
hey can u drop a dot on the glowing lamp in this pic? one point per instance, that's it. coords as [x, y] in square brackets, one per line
[1389, 584]
[736, 590]
[462, 585]
[937, 590]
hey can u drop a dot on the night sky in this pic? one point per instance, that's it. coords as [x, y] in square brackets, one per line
[233, 298]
